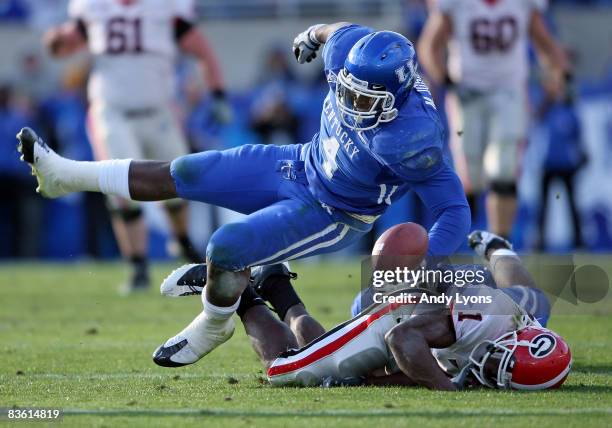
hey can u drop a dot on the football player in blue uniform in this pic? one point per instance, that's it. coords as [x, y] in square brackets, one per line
[380, 136]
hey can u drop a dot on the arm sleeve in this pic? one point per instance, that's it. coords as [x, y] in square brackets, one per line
[339, 44]
[444, 196]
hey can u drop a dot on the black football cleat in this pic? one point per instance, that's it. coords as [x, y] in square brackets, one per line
[163, 355]
[188, 280]
[482, 241]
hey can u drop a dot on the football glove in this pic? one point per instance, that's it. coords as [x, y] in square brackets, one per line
[305, 45]
[482, 241]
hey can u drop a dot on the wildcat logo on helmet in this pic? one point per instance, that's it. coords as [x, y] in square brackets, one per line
[405, 72]
[542, 345]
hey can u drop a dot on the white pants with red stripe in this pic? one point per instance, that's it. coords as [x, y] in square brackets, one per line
[354, 348]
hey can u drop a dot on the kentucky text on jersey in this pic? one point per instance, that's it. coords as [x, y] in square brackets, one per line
[336, 127]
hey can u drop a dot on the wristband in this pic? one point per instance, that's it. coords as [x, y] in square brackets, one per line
[312, 36]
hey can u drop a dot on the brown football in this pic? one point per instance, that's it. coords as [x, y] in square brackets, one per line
[403, 245]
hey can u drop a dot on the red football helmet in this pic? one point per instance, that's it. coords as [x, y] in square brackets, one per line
[532, 358]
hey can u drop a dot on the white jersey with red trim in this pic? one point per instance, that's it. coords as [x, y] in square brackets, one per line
[133, 47]
[483, 314]
[354, 348]
[357, 347]
[489, 42]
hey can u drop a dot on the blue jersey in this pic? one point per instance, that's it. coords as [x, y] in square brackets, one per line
[363, 172]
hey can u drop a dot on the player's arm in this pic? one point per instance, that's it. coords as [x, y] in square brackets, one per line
[410, 343]
[550, 54]
[66, 39]
[193, 42]
[444, 196]
[417, 158]
[307, 43]
[431, 47]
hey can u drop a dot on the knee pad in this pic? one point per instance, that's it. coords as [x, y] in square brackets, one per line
[503, 188]
[173, 206]
[261, 273]
[229, 248]
[128, 211]
[500, 161]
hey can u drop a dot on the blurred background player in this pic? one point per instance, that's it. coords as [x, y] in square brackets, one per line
[487, 69]
[131, 87]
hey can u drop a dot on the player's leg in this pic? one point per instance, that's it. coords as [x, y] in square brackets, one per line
[165, 141]
[505, 265]
[238, 179]
[509, 123]
[345, 353]
[468, 117]
[113, 137]
[273, 283]
[269, 336]
[288, 229]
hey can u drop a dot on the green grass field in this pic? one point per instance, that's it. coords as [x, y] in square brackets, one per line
[68, 341]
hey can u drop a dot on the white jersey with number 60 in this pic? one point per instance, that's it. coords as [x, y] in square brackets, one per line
[133, 47]
[488, 49]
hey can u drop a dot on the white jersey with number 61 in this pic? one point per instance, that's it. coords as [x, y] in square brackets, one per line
[488, 49]
[133, 47]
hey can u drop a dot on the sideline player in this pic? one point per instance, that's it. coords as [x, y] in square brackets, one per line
[380, 136]
[499, 344]
[131, 88]
[487, 71]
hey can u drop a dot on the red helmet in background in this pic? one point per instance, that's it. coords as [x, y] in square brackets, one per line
[532, 358]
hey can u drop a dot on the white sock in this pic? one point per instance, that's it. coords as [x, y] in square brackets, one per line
[498, 254]
[195, 332]
[504, 252]
[221, 313]
[109, 177]
[114, 177]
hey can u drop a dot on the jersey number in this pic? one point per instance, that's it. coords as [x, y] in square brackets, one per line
[123, 35]
[330, 147]
[489, 36]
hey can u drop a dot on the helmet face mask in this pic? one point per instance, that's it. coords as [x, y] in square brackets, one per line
[493, 360]
[362, 106]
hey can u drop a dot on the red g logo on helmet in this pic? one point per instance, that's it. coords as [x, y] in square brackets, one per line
[542, 345]
[541, 360]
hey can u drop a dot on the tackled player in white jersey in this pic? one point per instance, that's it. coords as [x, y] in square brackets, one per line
[487, 71]
[133, 44]
[497, 343]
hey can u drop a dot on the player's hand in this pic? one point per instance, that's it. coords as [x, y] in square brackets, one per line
[305, 45]
[333, 382]
[221, 109]
[465, 379]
